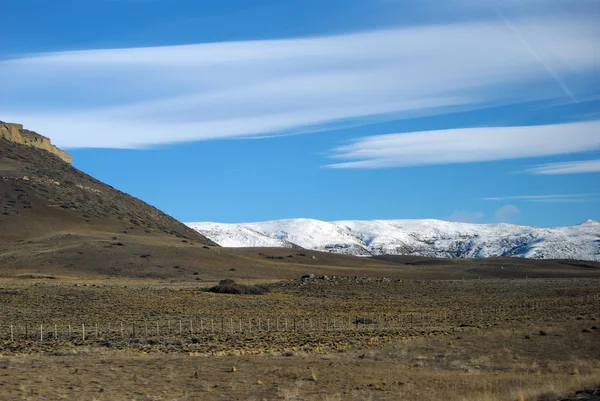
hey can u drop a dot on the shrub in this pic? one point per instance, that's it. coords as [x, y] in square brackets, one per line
[229, 286]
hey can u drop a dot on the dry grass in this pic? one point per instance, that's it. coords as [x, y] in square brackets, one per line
[492, 350]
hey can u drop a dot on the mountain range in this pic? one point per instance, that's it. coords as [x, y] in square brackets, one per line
[431, 238]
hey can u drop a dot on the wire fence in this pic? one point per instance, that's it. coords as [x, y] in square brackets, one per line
[85, 329]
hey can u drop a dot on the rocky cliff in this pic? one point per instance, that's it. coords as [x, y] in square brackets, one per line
[16, 133]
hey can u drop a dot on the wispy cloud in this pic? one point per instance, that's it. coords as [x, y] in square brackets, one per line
[465, 216]
[507, 214]
[468, 145]
[145, 96]
[555, 198]
[504, 214]
[577, 167]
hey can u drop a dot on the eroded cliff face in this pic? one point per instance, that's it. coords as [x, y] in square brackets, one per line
[16, 133]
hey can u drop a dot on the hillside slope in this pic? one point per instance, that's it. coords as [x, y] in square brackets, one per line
[35, 184]
[431, 238]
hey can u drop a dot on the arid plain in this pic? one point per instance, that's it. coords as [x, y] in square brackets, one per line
[104, 297]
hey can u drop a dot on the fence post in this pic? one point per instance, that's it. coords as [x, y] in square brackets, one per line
[12, 336]
[83, 331]
[41, 332]
[96, 329]
[201, 324]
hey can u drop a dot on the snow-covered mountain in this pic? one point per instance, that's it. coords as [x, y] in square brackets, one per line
[433, 238]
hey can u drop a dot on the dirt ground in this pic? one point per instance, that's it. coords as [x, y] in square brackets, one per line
[478, 339]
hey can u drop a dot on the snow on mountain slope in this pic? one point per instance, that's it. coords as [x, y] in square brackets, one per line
[433, 238]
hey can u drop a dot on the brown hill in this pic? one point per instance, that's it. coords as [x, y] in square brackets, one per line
[38, 186]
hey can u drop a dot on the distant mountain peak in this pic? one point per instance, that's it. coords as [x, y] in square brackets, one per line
[427, 237]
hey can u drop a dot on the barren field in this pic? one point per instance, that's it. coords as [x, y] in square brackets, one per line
[334, 338]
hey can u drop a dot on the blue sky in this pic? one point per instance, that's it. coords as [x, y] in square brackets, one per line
[238, 111]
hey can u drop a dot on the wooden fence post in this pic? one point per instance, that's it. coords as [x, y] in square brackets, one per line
[41, 332]
[83, 331]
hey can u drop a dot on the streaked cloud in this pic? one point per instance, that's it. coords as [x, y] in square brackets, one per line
[468, 145]
[504, 214]
[136, 97]
[553, 198]
[507, 214]
[576, 167]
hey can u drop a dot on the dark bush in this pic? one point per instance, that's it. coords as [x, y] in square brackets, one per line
[258, 289]
[364, 320]
[229, 286]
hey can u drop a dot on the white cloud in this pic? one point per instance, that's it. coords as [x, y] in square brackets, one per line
[554, 198]
[507, 214]
[577, 167]
[464, 216]
[144, 96]
[468, 145]
[504, 214]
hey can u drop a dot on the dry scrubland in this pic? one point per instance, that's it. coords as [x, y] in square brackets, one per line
[77, 255]
[478, 339]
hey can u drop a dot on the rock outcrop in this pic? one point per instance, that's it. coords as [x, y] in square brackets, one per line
[16, 133]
